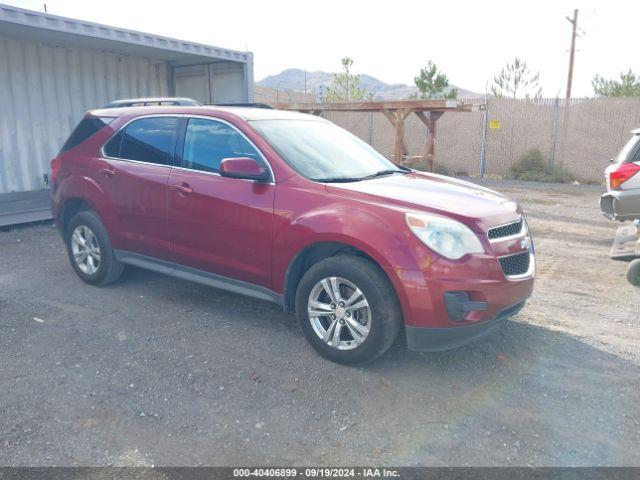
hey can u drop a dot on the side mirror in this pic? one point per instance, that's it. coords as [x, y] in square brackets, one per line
[243, 167]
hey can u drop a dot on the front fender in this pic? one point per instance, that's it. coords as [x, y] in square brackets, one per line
[384, 238]
[378, 232]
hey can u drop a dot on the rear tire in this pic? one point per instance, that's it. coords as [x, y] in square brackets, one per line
[351, 296]
[90, 251]
[633, 273]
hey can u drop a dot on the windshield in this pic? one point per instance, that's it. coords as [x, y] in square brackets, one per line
[624, 155]
[322, 151]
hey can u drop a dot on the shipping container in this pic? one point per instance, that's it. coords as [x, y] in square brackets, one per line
[53, 69]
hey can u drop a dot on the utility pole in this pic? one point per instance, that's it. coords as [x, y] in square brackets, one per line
[567, 99]
[572, 53]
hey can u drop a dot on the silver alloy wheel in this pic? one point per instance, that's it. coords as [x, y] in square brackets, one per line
[339, 313]
[85, 249]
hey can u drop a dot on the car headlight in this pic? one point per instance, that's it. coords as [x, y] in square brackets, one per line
[444, 236]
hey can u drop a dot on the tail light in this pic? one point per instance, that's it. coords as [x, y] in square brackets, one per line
[55, 168]
[623, 173]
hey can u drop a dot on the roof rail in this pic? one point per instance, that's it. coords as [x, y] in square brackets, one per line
[143, 102]
[249, 105]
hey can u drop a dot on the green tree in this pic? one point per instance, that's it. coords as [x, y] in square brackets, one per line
[517, 79]
[432, 83]
[345, 86]
[627, 86]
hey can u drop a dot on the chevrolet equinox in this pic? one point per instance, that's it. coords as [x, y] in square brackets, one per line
[292, 209]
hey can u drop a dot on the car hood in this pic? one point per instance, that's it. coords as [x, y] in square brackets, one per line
[478, 207]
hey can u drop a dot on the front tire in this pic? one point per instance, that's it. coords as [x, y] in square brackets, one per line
[90, 251]
[348, 310]
[633, 273]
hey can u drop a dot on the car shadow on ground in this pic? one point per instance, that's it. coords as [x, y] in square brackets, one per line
[515, 340]
[527, 386]
[199, 358]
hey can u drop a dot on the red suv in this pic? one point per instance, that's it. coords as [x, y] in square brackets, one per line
[292, 209]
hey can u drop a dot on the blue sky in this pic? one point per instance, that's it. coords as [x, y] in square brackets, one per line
[391, 40]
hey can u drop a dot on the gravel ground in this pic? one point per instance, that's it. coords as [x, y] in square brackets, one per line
[158, 371]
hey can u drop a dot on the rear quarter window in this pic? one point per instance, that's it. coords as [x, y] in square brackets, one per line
[630, 152]
[87, 127]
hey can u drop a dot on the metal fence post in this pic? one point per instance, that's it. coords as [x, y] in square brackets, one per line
[554, 133]
[483, 146]
[370, 128]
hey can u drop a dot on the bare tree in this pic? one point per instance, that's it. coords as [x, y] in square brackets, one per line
[345, 85]
[517, 79]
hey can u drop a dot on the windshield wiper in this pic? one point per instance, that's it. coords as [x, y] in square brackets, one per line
[337, 179]
[366, 177]
[384, 172]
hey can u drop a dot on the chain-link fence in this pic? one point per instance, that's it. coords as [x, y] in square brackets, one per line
[582, 137]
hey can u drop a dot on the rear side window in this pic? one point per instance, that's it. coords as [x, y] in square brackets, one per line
[112, 148]
[146, 140]
[630, 152]
[208, 142]
[85, 129]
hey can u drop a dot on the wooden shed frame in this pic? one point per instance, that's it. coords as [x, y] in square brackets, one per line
[428, 111]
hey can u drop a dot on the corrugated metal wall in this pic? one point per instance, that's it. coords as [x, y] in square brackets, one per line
[45, 90]
[220, 82]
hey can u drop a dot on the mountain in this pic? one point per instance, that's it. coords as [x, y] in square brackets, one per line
[293, 79]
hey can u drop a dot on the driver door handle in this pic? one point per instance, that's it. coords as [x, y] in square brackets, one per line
[108, 171]
[182, 188]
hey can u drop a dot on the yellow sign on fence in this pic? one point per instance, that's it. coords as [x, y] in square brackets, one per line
[494, 124]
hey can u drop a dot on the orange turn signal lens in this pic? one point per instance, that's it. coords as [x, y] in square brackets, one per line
[416, 222]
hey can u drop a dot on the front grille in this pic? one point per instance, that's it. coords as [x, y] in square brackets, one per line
[505, 230]
[515, 264]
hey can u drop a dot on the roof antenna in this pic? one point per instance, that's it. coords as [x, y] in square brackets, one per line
[45, 8]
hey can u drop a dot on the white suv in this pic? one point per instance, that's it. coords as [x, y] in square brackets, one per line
[622, 200]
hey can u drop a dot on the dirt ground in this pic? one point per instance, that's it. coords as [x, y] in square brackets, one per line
[158, 371]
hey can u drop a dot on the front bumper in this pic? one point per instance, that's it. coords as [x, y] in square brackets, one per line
[425, 339]
[423, 293]
[621, 204]
[448, 303]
